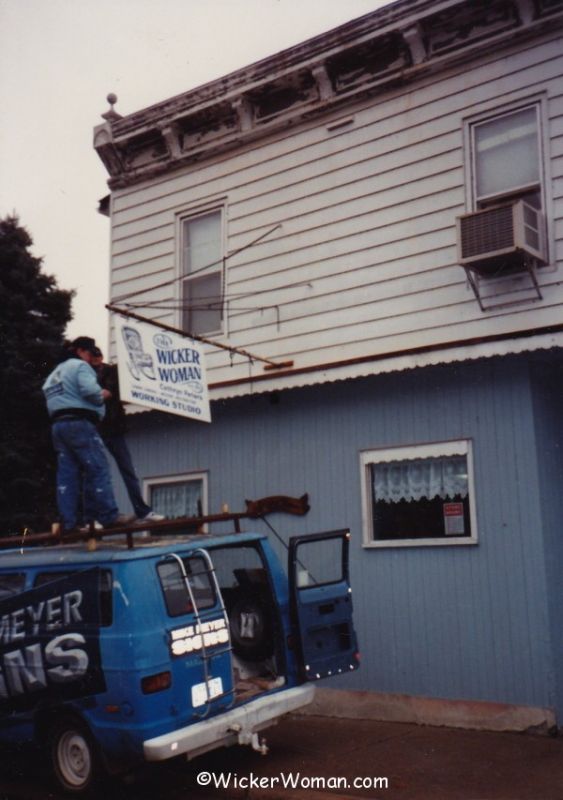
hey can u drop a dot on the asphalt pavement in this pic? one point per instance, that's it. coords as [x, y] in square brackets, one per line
[313, 758]
[318, 758]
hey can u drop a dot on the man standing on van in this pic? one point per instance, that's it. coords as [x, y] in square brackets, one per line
[112, 431]
[75, 403]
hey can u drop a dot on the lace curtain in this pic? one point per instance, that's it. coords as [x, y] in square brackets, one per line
[442, 477]
[177, 499]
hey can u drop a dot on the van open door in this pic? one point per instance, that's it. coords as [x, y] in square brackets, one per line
[321, 604]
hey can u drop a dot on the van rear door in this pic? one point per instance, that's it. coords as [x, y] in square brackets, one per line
[199, 640]
[321, 603]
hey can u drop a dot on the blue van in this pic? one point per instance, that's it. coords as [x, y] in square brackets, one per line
[116, 651]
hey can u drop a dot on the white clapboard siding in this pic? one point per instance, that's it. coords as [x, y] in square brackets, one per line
[438, 265]
[432, 267]
[159, 268]
[364, 262]
[345, 247]
[147, 237]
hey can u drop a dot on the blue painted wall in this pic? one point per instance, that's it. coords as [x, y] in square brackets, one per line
[472, 622]
[548, 406]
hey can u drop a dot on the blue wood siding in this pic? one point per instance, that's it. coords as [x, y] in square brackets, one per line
[548, 403]
[468, 622]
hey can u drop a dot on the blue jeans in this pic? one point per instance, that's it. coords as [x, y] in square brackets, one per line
[82, 466]
[117, 446]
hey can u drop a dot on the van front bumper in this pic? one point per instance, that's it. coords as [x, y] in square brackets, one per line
[227, 727]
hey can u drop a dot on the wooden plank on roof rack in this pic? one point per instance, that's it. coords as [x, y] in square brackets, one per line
[189, 525]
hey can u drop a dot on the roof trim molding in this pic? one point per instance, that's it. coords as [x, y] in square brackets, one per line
[392, 45]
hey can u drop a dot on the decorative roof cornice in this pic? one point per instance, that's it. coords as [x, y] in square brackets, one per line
[394, 44]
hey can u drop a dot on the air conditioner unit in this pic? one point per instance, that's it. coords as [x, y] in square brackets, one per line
[501, 240]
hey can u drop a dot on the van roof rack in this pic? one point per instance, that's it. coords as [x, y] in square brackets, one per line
[255, 509]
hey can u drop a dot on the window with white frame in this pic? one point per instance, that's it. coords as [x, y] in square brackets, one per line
[178, 495]
[419, 495]
[506, 157]
[202, 273]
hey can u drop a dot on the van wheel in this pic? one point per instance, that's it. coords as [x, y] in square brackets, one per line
[73, 755]
[252, 627]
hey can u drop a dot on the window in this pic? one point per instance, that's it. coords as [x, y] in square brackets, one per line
[506, 158]
[178, 495]
[420, 495]
[320, 563]
[176, 594]
[202, 273]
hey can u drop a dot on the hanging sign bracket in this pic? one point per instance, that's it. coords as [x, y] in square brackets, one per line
[269, 364]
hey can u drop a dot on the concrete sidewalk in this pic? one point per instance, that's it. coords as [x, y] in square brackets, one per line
[417, 763]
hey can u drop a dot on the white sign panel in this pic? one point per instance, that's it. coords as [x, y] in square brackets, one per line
[161, 370]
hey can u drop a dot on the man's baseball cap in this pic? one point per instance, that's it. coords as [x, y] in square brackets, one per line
[84, 343]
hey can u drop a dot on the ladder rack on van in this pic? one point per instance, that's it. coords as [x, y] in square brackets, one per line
[191, 526]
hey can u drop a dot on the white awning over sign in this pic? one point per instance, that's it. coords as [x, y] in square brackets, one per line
[161, 370]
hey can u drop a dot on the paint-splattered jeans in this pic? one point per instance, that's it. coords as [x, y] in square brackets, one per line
[82, 469]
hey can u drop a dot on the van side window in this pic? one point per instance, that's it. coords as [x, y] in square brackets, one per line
[176, 595]
[106, 594]
[11, 583]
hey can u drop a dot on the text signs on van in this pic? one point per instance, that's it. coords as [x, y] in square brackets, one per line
[161, 370]
[49, 645]
[193, 638]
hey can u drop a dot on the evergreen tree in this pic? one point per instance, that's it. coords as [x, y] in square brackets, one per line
[33, 315]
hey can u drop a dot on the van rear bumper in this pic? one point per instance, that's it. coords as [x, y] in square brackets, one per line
[225, 728]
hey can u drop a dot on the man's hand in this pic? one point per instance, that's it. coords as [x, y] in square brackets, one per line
[106, 393]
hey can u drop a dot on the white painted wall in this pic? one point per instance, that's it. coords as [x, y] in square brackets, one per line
[364, 263]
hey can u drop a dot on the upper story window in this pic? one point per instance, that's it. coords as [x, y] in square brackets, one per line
[202, 273]
[506, 158]
[506, 232]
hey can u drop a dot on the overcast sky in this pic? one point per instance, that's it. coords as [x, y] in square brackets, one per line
[58, 61]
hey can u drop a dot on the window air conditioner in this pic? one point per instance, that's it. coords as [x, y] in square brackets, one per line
[501, 240]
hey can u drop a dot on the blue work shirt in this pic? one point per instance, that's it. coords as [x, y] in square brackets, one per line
[73, 384]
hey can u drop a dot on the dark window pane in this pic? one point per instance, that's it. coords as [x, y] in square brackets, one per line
[421, 519]
[176, 594]
[202, 303]
[421, 498]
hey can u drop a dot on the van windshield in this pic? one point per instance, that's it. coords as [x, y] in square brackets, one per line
[176, 594]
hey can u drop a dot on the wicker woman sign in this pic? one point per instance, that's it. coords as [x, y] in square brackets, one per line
[161, 370]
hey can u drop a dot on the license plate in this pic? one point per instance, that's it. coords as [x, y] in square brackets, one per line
[201, 692]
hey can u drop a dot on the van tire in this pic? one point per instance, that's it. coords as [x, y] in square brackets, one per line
[260, 644]
[74, 757]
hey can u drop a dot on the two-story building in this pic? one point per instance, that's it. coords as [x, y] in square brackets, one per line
[378, 210]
